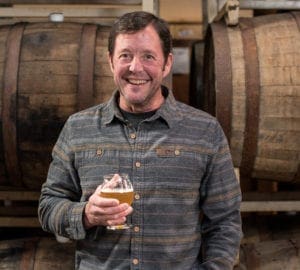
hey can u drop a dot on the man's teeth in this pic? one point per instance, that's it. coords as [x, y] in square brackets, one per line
[137, 81]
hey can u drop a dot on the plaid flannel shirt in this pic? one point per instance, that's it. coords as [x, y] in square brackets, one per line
[186, 207]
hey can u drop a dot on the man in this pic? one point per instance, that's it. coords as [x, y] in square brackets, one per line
[185, 213]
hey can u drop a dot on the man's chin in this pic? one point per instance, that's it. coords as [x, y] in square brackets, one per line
[134, 94]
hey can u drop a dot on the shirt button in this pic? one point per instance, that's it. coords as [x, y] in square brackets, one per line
[138, 164]
[132, 136]
[135, 261]
[99, 152]
[137, 196]
[136, 229]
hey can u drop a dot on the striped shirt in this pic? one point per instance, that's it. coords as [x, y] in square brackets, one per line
[186, 207]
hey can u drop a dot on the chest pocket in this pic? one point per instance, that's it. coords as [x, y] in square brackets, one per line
[178, 162]
[170, 151]
[92, 164]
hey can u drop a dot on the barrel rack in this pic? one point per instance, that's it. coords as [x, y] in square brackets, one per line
[26, 216]
[252, 202]
[214, 10]
[271, 202]
[92, 11]
[278, 201]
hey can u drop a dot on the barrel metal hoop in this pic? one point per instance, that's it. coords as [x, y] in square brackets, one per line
[9, 101]
[297, 175]
[209, 100]
[252, 81]
[86, 66]
[296, 16]
[223, 76]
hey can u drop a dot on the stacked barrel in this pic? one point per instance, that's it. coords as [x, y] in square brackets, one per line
[47, 72]
[252, 85]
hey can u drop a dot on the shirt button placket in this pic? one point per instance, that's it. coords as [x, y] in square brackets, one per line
[137, 229]
[135, 244]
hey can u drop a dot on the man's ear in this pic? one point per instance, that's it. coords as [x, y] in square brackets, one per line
[168, 65]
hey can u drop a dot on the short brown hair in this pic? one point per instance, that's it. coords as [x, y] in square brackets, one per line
[138, 20]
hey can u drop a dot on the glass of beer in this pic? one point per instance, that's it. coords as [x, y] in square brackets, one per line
[118, 186]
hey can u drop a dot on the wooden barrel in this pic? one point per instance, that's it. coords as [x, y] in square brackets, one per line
[196, 75]
[270, 242]
[252, 85]
[36, 254]
[47, 72]
[270, 255]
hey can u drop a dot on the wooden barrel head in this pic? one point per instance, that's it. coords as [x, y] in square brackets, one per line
[48, 72]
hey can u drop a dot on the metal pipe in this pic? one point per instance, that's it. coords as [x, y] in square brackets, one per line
[265, 4]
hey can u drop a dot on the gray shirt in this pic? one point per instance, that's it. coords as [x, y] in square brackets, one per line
[186, 207]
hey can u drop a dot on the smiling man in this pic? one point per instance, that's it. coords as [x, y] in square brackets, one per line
[185, 213]
[139, 65]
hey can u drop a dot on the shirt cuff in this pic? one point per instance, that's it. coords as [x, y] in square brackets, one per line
[77, 230]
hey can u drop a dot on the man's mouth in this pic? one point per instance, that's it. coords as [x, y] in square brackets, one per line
[137, 81]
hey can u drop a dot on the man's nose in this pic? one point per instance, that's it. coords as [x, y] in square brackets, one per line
[136, 64]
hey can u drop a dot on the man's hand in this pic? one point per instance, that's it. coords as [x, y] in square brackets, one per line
[102, 211]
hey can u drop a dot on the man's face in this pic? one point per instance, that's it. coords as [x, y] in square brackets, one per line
[139, 67]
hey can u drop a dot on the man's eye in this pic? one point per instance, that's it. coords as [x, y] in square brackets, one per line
[124, 56]
[149, 57]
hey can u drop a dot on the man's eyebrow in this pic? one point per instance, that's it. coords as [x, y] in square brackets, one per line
[125, 50]
[150, 52]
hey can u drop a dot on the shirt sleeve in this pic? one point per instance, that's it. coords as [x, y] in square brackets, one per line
[220, 204]
[60, 210]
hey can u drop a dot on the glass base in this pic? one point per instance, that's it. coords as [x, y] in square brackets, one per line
[119, 227]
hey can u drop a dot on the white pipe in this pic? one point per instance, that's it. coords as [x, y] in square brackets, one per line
[56, 17]
[261, 4]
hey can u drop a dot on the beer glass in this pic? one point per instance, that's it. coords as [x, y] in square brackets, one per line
[117, 186]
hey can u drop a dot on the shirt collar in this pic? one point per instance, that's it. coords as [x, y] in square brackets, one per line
[168, 111]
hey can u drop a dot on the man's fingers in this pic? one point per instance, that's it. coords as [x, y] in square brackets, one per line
[116, 221]
[104, 217]
[122, 209]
